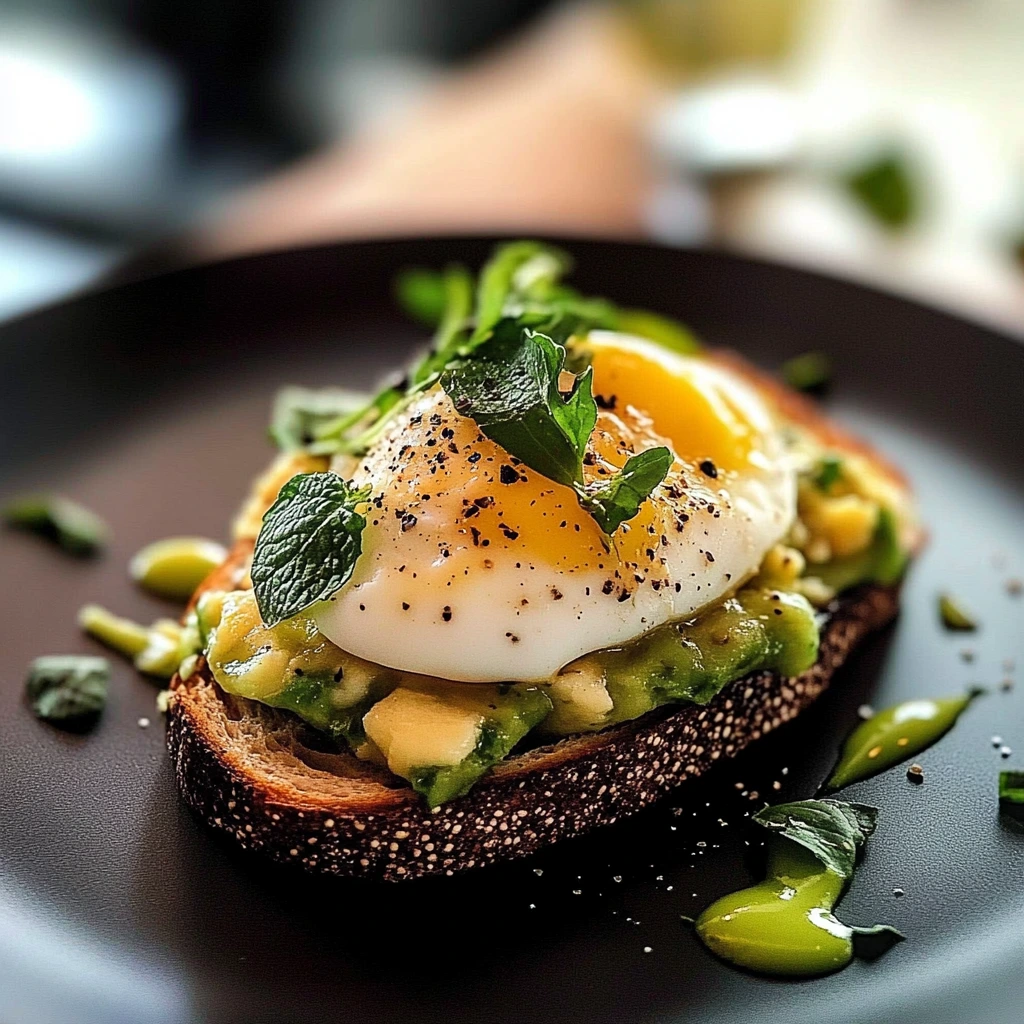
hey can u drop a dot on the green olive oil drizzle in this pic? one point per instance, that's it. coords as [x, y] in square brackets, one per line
[894, 735]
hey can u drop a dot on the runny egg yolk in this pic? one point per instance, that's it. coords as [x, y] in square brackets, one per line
[687, 402]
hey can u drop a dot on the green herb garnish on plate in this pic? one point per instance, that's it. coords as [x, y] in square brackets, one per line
[70, 525]
[68, 689]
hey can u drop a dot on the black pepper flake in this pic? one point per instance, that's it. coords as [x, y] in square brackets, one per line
[608, 587]
[512, 637]
[624, 596]
[508, 475]
[362, 607]
[556, 594]
[408, 522]
[475, 457]
[446, 614]
[471, 511]
[485, 502]
[405, 606]
[435, 419]
[710, 557]
[476, 536]
[508, 531]
[708, 468]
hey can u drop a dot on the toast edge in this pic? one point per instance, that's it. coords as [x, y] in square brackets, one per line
[527, 802]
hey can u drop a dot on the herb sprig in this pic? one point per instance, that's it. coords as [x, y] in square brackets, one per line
[499, 352]
[511, 390]
[308, 546]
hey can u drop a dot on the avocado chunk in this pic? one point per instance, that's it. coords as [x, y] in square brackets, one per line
[443, 736]
[756, 630]
[882, 561]
[290, 666]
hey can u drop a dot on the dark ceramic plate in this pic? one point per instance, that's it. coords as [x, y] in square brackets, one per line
[148, 403]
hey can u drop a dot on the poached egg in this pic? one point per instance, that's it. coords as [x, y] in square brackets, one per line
[476, 568]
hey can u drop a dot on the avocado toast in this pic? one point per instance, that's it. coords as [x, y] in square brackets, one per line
[333, 732]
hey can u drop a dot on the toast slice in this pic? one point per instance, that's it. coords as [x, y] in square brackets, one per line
[272, 783]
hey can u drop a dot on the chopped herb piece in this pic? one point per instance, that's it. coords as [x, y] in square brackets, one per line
[954, 616]
[1011, 793]
[73, 527]
[299, 413]
[308, 546]
[832, 830]
[68, 689]
[810, 372]
[830, 469]
[617, 499]
[884, 188]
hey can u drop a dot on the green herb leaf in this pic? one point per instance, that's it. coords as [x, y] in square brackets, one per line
[69, 689]
[1011, 793]
[499, 275]
[832, 830]
[457, 295]
[810, 372]
[885, 189]
[830, 469]
[871, 943]
[615, 500]
[421, 293]
[308, 545]
[510, 388]
[299, 413]
[76, 529]
[954, 616]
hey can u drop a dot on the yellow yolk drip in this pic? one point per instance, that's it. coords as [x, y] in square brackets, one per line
[699, 419]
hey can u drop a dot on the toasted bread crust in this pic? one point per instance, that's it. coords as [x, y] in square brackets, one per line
[260, 775]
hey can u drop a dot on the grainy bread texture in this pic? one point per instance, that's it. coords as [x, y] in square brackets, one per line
[263, 777]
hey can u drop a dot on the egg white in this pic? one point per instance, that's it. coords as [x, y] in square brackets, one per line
[468, 576]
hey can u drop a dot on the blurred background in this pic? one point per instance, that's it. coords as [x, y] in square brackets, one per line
[879, 139]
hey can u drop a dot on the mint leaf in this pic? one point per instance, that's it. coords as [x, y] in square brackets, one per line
[308, 545]
[299, 413]
[510, 388]
[615, 500]
[832, 830]
[70, 525]
[69, 689]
